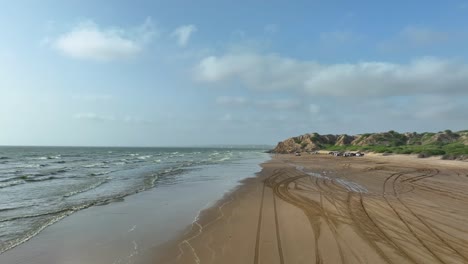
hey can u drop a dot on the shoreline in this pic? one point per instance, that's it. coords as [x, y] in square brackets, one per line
[123, 231]
[205, 217]
[275, 216]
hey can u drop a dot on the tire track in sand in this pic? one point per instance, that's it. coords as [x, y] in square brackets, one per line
[376, 230]
[428, 173]
[393, 178]
[309, 207]
[259, 226]
[278, 238]
[260, 217]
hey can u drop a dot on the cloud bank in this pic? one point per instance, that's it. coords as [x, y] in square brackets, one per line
[183, 34]
[273, 72]
[88, 41]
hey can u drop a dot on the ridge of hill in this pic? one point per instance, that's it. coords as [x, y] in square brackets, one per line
[451, 145]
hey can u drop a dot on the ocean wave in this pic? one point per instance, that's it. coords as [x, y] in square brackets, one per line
[225, 158]
[134, 172]
[100, 173]
[35, 165]
[150, 181]
[94, 165]
[9, 179]
[88, 188]
[54, 217]
[13, 243]
[4, 209]
[35, 215]
[4, 158]
[41, 178]
[48, 157]
[49, 172]
[11, 183]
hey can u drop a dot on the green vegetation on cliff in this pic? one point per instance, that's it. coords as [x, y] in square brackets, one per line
[448, 144]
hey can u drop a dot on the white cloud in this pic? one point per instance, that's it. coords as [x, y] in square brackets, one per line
[267, 72]
[273, 72]
[276, 104]
[419, 36]
[94, 117]
[416, 38]
[280, 104]
[91, 116]
[314, 109]
[231, 100]
[137, 120]
[183, 34]
[89, 41]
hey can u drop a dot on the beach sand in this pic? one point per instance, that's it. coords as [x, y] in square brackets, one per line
[324, 209]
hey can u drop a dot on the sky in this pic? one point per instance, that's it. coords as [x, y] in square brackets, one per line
[193, 73]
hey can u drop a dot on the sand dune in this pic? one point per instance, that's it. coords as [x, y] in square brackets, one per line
[322, 209]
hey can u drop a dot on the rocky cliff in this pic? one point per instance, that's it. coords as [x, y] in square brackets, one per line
[440, 143]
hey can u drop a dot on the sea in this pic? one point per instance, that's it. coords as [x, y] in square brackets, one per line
[39, 186]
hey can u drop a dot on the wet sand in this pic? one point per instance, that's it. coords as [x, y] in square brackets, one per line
[324, 209]
[121, 232]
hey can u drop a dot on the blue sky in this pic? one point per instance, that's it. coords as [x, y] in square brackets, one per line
[174, 73]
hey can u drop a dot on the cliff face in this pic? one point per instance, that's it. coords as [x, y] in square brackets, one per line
[314, 141]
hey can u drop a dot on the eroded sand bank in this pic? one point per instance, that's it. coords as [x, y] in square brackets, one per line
[323, 209]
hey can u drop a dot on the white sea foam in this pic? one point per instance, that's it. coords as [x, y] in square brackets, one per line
[87, 188]
[11, 183]
[93, 165]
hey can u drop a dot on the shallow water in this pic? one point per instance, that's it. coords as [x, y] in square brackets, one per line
[42, 185]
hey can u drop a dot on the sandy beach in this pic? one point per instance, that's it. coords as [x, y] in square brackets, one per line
[324, 209]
